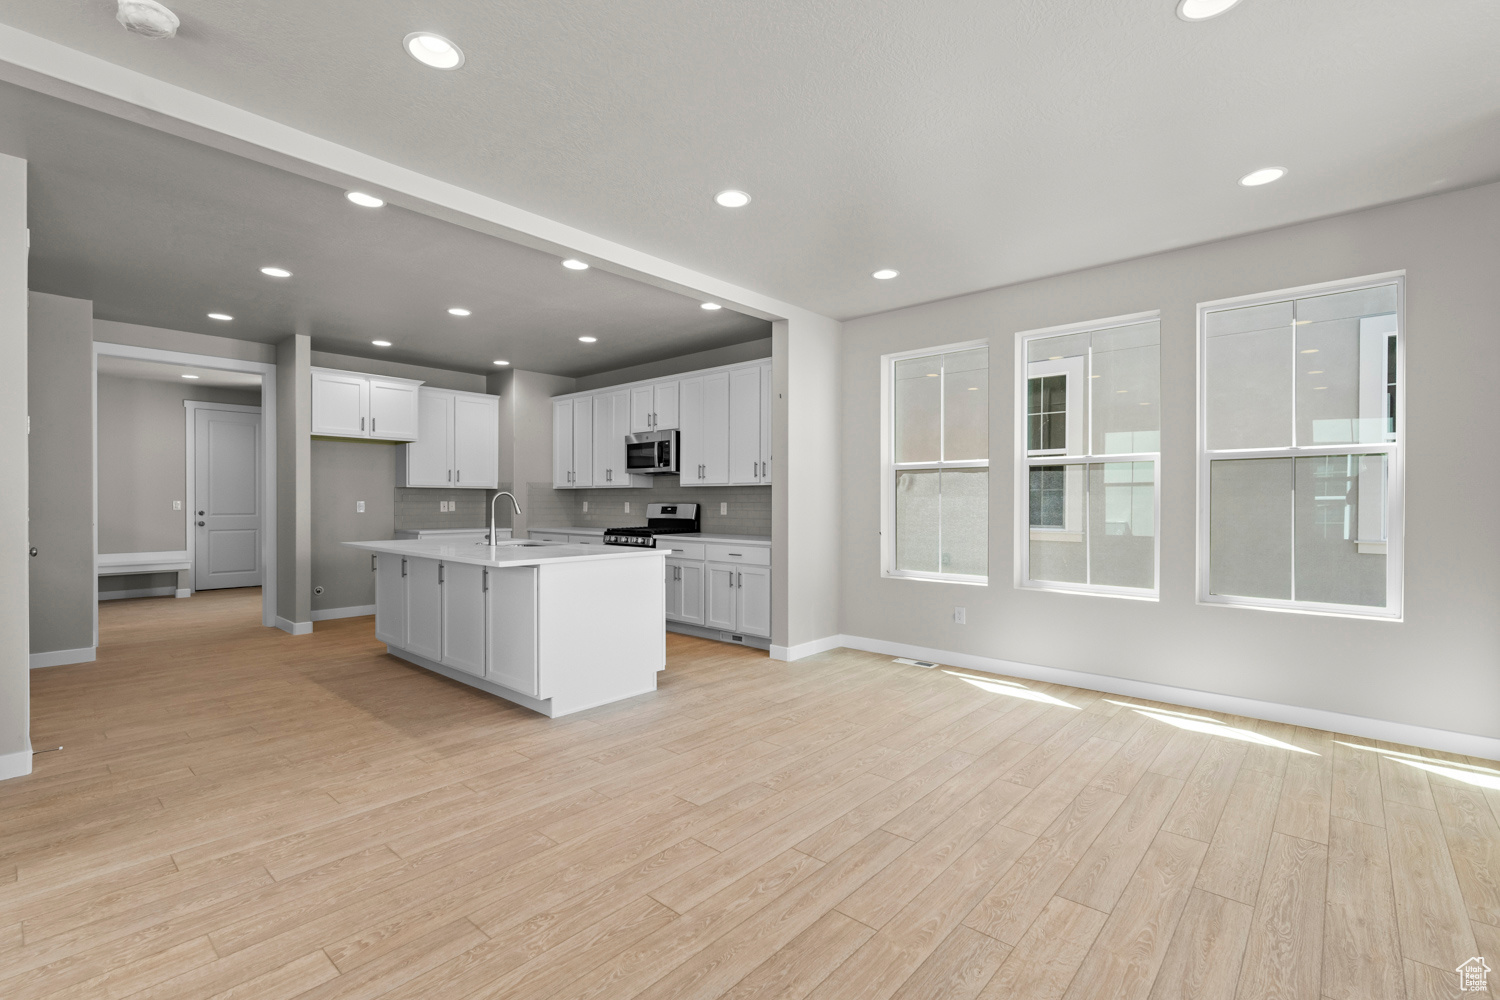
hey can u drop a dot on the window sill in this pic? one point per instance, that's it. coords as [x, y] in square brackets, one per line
[1052, 535]
[1085, 591]
[964, 581]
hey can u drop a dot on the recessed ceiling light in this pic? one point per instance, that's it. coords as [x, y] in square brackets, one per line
[190, 376]
[221, 317]
[1318, 371]
[1264, 175]
[433, 50]
[589, 340]
[573, 264]
[381, 343]
[732, 198]
[459, 311]
[885, 274]
[1202, 10]
[711, 306]
[502, 363]
[276, 272]
[364, 200]
[1310, 350]
[1320, 387]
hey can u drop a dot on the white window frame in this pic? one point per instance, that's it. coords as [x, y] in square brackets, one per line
[889, 466]
[1024, 461]
[1393, 448]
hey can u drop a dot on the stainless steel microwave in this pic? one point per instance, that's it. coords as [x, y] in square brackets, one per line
[653, 453]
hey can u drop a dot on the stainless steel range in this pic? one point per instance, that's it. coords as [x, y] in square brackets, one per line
[661, 519]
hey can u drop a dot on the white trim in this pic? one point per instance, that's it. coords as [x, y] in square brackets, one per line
[63, 657]
[183, 592]
[803, 649]
[328, 614]
[268, 388]
[1487, 747]
[40, 64]
[15, 765]
[1394, 450]
[125, 595]
[190, 484]
[294, 628]
[136, 563]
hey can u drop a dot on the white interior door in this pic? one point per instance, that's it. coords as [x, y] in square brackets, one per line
[227, 522]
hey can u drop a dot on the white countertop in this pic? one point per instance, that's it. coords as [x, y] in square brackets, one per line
[504, 554]
[714, 539]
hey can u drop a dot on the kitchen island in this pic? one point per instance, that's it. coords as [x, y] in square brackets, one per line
[557, 628]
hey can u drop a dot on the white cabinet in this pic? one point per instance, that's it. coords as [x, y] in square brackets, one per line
[459, 441]
[744, 425]
[464, 616]
[573, 442]
[350, 404]
[390, 600]
[611, 424]
[765, 423]
[424, 608]
[685, 591]
[705, 430]
[738, 598]
[654, 407]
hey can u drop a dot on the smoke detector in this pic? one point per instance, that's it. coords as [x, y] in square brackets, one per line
[147, 17]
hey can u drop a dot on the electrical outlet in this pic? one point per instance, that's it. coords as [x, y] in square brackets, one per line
[960, 616]
[723, 509]
[176, 504]
[585, 506]
[444, 506]
[359, 506]
[627, 506]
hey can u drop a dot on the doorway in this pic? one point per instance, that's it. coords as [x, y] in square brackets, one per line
[184, 474]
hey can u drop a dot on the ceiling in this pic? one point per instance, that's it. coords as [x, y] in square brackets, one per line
[161, 231]
[968, 143]
[155, 371]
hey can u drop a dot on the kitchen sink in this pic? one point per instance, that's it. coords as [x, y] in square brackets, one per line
[516, 545]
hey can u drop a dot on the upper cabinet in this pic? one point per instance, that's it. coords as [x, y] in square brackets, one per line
[459, 443]
[350, 404]
[723, 415]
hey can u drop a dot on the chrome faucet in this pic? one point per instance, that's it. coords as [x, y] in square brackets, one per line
[494, 534]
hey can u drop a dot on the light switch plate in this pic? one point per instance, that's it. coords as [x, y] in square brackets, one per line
[585, 506]
[960, 616]
[627, 506]
[359, 506]
[176, 504]
[723, 508]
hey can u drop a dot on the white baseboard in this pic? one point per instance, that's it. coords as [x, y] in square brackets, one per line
[183, 592]
[1474, 745]
[14, 765]
[294, 628]
[812, 648]
[62, 657]
[328, 614]
[120, 595]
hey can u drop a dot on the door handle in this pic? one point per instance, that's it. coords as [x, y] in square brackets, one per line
[202, 523]
[201, 513]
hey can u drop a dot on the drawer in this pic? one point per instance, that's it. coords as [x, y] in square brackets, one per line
[586, 539]
[547, 536]
[758, 555]
[683, 550]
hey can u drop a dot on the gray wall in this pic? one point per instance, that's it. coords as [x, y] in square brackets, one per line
[750, 350]
[143, 460]
[60, 359]
[531, 416]
[15, 613]
[343, 473]
[1438, 668]
[294, 479]
[111, 332]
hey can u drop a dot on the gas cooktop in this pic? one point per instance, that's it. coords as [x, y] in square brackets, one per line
[661, 519]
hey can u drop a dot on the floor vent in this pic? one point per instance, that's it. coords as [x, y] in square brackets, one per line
[925, 664]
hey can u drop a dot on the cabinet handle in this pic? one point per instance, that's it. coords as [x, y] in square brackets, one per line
[739, 579]
[372, 562]
[403, 568]
[440, 574]
[486, 585]
[372, 425]
[361, 425]
[458, 476]
[450, 475]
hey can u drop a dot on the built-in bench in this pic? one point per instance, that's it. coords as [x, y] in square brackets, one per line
[142, 563]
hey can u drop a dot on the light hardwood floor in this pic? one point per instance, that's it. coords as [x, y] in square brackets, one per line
[242, 814]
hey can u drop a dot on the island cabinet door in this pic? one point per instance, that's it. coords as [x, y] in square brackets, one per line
[424, 608]
[721, 599]
[390, 600]
[463, 617]
[513, 659]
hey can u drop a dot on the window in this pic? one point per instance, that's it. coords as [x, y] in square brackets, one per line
[937, 476]
[1087, 457]
[1300, 466]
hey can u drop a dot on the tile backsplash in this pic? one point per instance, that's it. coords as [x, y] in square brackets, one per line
[749, 507]
[419, 508]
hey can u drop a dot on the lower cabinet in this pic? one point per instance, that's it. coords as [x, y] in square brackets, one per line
[738, 598]
[685, 591]
[479, 620]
